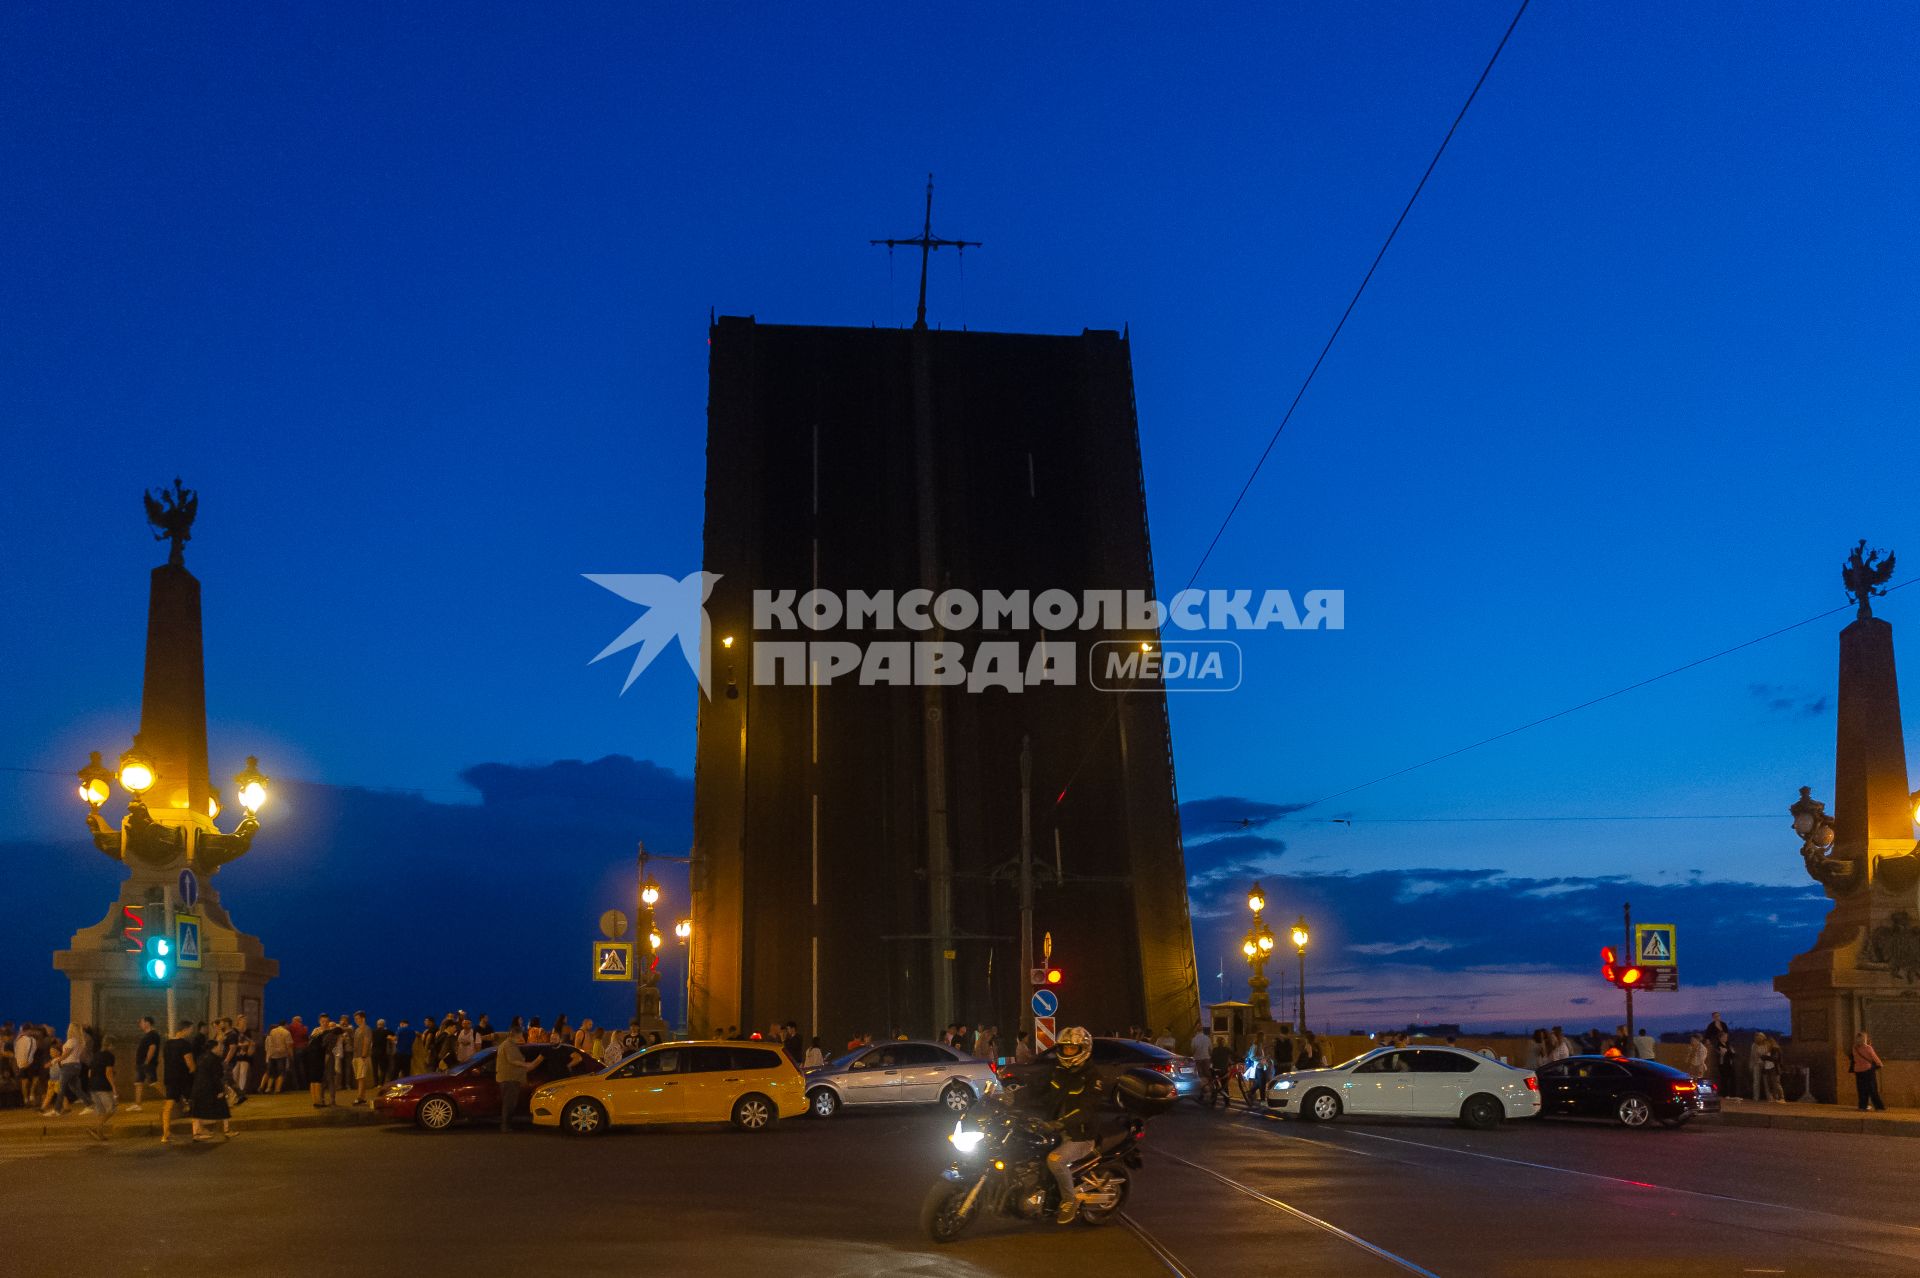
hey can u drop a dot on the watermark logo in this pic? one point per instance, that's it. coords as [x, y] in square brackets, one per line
[675, 611]
[1010, 640]
[1179, 665]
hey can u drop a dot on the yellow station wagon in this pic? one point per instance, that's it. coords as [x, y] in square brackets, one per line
[750, 1085]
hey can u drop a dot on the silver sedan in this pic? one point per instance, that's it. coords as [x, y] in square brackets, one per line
[913, 1072]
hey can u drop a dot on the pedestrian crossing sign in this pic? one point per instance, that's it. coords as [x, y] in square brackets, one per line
[1653, 945]
[186, 939]
[613, 960]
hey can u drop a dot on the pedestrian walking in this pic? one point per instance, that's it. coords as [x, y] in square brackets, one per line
[1258, 1065]
[298, 1034]
[1696, 1056]
[510, 1070]
[403, 1040]
[362, 1049]
[176, 1077]
[100, 1081]
[1866, 1073]
[382, 1052]
[279, 1058]
[1770, 1067]
[209, 1095]
[146, 1063]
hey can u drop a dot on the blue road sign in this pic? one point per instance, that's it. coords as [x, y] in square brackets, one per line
[189, 888]
[186, 940]
[1045, 1002]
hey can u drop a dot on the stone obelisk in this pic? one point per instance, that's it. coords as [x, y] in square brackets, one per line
[1863, 972]
[168, 830]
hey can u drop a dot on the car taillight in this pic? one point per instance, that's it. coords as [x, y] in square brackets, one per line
[1533, 1084]
[1165, 1067]
[1683, 1087]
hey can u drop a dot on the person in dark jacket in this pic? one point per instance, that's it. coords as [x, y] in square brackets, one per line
[209, 1093]
[1073, 1095]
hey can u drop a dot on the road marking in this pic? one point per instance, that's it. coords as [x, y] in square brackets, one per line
[1155, 1246]
[1305, 1217]
[1619, 1180]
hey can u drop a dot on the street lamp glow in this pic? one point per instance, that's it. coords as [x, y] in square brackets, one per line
[1257, 899]
[655, 940]
[726, 641]
[650, 893]
[213, 804]
[136, 771]
[1300, 933]
[1249, 949]
[1266, 942]
[93, 781]
[251, 786]
[683, 929]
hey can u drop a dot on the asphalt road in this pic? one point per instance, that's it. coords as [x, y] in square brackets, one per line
[1221, 1196]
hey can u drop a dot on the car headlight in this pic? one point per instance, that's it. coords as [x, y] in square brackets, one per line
[545, 1093]
[399, 1089]
[964, 1140]
[1284, 1085]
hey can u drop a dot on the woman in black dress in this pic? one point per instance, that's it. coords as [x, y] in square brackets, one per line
[209, 1093]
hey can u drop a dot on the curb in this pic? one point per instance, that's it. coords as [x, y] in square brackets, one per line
[79, 1130]
[1819, 1122]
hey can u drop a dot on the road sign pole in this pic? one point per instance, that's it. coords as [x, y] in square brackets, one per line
[1026, 867]
[1626, 909]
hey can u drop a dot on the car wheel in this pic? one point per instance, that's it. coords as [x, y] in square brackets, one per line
[1320, 1106]
[1633, 1110]
[957, 1097]
[436, 1113]
[583, 1116]
[823, 1102]
[754, 1113]
[1483, 1113]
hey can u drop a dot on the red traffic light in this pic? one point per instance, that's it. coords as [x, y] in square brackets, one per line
[1053, 976]
[1607, 969]
[1631, 976]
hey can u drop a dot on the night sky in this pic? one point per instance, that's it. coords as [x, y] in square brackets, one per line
[418, 301]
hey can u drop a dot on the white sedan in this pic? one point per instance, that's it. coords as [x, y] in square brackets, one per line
[1411, 1082]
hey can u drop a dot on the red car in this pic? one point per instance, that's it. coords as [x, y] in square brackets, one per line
[468, 1091]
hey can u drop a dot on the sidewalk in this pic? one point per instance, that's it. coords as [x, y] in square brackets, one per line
[1802, 1116]
[259, 1114]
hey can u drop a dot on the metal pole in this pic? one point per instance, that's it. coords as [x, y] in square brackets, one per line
[1302, 1028]
[1026, 880]
[1626, 910]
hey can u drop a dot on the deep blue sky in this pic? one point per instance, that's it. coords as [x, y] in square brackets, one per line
[418, 300]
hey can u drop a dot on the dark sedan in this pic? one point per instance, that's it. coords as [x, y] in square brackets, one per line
[1111, 1057]
[468, 1091]
[1630, 1091]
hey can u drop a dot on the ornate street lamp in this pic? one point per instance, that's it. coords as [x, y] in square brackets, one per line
[93, 782]
[251, 785]
[1257, 946]
[1300, 939]
[136, 771]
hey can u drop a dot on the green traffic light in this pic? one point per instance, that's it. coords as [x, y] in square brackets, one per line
[157, 969]
[162, 947]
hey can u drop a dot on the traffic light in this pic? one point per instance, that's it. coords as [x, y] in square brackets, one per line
[1613, 974]
[157, 966]
[133, 927]
[1053, 976]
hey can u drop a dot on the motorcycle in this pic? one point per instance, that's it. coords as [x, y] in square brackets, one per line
[1000, 1166]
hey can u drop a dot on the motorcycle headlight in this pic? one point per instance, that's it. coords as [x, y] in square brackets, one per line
[964, 1140]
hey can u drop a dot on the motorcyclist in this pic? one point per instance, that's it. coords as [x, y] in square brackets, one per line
[1073, 1099]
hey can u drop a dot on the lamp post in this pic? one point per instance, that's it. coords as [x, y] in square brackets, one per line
[684, 930]
[1300, 939]
[646, 998]
[1257, 946]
